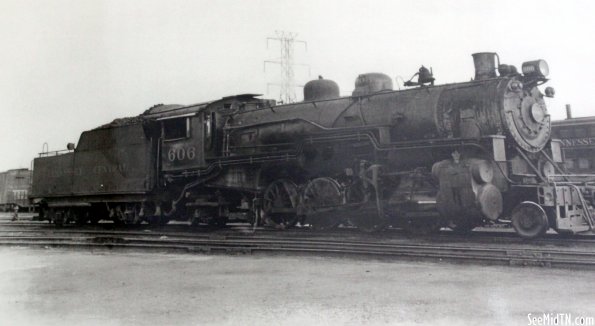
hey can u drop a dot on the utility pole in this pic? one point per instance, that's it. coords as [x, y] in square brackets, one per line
[286, 44]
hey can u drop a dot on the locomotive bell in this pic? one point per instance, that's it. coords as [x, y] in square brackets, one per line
[425, 76]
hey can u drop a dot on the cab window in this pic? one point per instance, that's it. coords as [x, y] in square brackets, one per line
[176, 128]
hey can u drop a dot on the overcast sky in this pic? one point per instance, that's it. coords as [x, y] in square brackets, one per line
[70, 65]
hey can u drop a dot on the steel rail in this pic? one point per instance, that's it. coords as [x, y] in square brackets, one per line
[485, 236]
[468, 253]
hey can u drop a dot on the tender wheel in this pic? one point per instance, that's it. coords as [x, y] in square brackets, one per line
[197, 217]
[251, 218]
[117, 216]
[57, 216]
[280, 202]
[154, 215]
[96, 214]
[132, 214]
[81, 217]
[126, 214]
[321, 198]
[529, 220]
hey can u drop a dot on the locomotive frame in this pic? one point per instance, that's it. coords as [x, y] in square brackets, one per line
[458, 155]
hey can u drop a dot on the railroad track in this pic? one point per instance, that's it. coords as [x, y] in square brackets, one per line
[240, 240]
[485, 235]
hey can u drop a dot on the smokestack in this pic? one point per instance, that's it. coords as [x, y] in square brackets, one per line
[485, 65]
[568, 111]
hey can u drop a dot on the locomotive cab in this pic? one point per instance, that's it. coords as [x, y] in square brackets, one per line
[193, 150]
[179, 130]
[181, 145]
[192, 137]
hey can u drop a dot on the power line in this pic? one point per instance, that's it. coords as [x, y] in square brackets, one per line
[287, 85]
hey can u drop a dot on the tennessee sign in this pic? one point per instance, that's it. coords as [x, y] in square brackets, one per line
[572, 142]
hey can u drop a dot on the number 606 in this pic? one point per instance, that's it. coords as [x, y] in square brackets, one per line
[181, 153]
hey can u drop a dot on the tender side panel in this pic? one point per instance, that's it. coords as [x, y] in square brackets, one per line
[52, 176]
[114, 160]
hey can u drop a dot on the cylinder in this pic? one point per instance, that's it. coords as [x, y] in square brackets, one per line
[568, 111]
[481, 170]
[485, 65]
[490, 201]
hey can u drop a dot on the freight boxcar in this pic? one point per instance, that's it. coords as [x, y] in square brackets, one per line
[578, 142]
[15, 186]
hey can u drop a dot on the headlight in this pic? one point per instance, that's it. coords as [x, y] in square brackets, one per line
[537, 68]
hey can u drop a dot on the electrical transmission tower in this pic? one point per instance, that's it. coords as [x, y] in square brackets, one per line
[287, 84]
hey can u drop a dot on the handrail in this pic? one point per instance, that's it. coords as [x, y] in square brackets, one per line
[585, 206]
[54, 153]
[556, 166]
[571, 178]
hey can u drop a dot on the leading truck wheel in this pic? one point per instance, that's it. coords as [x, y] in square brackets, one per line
[529, 220]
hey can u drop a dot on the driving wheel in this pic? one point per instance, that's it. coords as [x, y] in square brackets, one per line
[321, 198]
[280, 202]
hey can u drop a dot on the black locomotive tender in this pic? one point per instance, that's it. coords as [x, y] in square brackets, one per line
[459, 155]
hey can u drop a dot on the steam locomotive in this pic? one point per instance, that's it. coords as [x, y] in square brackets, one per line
[457, 155]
